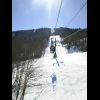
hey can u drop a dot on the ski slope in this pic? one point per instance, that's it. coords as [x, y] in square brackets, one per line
[71, 72]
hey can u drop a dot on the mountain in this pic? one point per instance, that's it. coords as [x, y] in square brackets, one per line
[27, 44]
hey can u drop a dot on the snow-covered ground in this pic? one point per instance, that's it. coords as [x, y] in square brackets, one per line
[71, 75]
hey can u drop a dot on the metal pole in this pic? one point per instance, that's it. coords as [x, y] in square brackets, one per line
[55, 45]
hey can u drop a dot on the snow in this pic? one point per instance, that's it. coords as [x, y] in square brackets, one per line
[71, 76]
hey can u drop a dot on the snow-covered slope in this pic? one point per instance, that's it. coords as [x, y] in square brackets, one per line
[71, 75]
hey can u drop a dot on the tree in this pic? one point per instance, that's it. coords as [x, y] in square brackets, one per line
[25, 71]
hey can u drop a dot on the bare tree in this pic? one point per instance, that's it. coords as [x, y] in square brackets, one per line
[16, 86]
[24, 73]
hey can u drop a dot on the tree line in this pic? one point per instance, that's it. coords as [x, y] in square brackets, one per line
[77, 40]
[29, 43]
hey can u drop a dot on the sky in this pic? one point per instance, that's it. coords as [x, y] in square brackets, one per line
[33, 14]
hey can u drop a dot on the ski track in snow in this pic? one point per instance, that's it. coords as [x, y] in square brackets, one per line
[71, 76]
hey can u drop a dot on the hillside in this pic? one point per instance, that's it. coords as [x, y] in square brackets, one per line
[70, 71]
[27, 44]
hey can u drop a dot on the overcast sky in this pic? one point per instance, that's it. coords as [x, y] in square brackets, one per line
[32, 14]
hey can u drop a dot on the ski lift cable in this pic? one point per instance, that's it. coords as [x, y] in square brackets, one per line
[73, 34]
[73, 19]
[77, 13]
[73, 16]
[58, 13]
